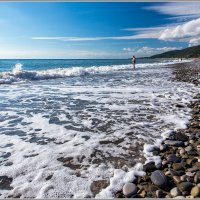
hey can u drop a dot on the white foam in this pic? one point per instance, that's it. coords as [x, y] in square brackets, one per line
[96, 121]
[19, 75]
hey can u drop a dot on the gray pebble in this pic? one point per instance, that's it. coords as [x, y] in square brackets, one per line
[129, 189]
[159, 179]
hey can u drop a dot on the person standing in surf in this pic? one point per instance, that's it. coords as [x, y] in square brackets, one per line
[134, 61]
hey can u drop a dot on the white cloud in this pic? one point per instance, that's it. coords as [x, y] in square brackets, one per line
[178, 9]
[147, 51]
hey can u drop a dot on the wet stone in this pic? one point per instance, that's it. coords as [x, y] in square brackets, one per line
[175, 192]
[129, 189]
[180, 136]
[173, 158]
[149, 167]
[159, 179]
[185, 186]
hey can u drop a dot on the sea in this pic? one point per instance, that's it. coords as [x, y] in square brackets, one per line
[70, 123]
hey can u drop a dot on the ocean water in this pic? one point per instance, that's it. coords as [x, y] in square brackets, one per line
[67, 123]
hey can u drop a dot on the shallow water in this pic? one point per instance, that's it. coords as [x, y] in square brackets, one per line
[63, 130]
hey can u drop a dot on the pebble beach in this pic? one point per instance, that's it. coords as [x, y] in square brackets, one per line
[177, 175]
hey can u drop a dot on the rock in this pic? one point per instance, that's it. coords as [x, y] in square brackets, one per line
[149, 167]
[160, 194]
[197, 177]
[143, 193]
[189, 161]
[193, 153]
[182, 152]
[180, 136]
[191, 141]
[177, 166]
[174, 143]
[159, 179]
[129, 189]
[197, 164]
[177, 179]
[183, 178]
[185, 186]
[163, 147]
[164, 162]
[195, 192]
[192, 169]
[191, 174]
[5, 183]
[188, 148]
[173, 158]
[175, 192]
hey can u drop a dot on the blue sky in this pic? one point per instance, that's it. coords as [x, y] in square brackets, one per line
[96, 29]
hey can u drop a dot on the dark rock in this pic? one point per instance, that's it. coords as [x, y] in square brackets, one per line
[149, 167]
[5, 183]
[180, 136]
[160, 194]
[193, 153]
[173, 158]
[174, 143]
[129, 189]
[159, 179]
[185, 186]
[177, 166]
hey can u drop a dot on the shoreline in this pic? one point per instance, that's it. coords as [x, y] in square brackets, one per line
[177, 173]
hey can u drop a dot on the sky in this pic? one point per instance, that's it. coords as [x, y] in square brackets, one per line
[76, 30]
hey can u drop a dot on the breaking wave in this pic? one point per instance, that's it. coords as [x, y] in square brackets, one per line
[20, 75]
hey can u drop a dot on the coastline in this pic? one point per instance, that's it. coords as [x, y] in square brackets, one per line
[174, 171]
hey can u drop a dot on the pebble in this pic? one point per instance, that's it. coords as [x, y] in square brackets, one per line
[188, 148]
[159, 194]
[197, 177]
[180, 136]
[173, 158]
[149, 167]
[174, 143]
[185, 186]
[190, 174]
[163, 147]
[129, 189]
[177, 179]
[177, 166]
[159, 179]
[195, 192]
[175, 192]
[182, 152]
[183, 178]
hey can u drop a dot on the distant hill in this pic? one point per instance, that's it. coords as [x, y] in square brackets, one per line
[190, 52]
